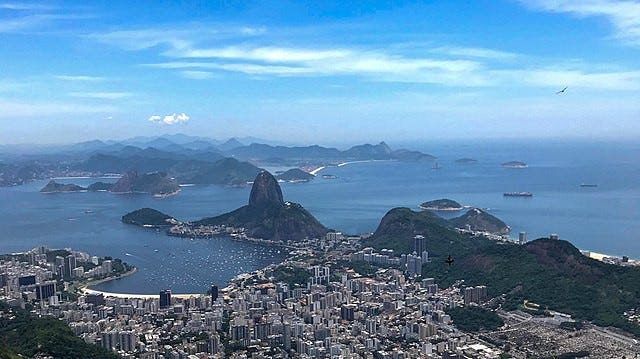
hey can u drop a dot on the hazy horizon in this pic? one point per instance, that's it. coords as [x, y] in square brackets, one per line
[319, 72]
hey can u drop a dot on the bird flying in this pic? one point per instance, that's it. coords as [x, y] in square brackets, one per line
[563, 90]
[449, 260]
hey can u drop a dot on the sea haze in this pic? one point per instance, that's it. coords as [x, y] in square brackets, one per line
[603, 219]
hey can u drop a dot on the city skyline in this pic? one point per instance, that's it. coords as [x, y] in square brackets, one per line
[317, 71]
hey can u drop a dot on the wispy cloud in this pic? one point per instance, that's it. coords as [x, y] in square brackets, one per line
[20, 109]
[102, 95]
[28, 16]
[575, 78]
[197, 75]
[475, 52]
[83, 78]
[169, 119]
[623, 15]
[24, 6]
[194, 55]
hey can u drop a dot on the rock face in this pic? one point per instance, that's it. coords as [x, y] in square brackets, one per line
[268, 216]
[265, 190]
[479, 220]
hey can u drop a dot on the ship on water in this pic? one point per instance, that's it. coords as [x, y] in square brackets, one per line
[588, 185]
[518, 194]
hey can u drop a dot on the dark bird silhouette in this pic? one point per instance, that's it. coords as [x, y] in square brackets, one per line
[449, 260]
[563, 90]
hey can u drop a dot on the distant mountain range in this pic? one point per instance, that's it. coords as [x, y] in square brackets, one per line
[189, 159]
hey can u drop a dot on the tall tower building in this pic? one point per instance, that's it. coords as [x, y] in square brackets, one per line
[419, 244]
[165, 298]
[522, 238]
[214, 293]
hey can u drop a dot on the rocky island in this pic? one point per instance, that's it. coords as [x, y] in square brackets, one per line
[442, 205]
[514, 164]
[55, 187]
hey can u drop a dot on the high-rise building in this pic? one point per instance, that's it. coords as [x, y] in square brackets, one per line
[27, 280]
[165, 298]
[214, 293]
[475, 294]
[45, 290]
[69, 265]
[347, 312]
[522, 238]
[419, 244]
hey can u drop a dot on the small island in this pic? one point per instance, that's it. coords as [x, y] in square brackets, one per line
[55, 187]
[100, 187]
[295, 175]
[148, 217]
[442, 205]
[466, 161]
[514, 164]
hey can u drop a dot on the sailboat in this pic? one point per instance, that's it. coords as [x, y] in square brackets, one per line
[435, 166]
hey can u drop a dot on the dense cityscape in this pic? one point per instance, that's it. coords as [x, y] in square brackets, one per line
[333, 299]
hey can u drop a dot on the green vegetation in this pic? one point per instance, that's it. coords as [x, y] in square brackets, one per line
[23, 334]
[293, 276]
[441, 204]
[551, 273]
[295, 174]
[147, 217]
[474, 319]
[479, 220]
[155, 183]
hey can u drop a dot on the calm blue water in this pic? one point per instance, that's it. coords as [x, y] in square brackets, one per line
[603, 219]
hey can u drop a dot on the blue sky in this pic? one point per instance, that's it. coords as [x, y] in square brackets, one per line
[319, 71]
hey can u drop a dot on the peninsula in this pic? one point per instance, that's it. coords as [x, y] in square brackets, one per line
[267, 217]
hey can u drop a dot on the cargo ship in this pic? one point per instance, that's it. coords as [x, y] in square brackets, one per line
[588, 185]
[518, 194]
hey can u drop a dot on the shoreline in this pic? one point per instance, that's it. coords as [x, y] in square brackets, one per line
[86, 289]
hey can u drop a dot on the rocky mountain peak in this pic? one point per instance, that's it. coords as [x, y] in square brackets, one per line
[265, 190]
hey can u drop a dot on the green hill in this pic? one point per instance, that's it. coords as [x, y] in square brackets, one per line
[479, 220]
[551, 273]
[147, 217]
[24, 335]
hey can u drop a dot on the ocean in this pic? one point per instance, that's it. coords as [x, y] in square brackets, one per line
[603, 219]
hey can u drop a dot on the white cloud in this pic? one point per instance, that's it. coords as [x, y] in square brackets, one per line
[102, 95]
[170, 119]
[623, 15]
